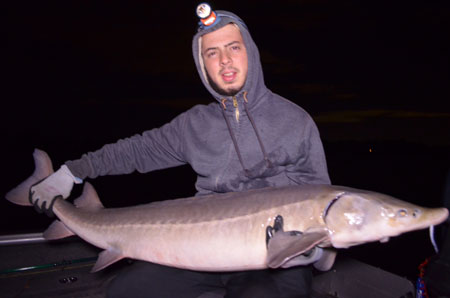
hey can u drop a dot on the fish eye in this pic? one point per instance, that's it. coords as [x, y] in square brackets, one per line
[402, 213]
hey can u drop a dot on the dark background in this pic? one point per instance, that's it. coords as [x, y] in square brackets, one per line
[374, 76]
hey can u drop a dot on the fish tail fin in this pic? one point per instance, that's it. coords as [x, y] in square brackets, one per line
[89, 199]
[57, 230]
[43, 168]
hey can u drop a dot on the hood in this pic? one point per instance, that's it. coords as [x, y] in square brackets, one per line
[254, 84]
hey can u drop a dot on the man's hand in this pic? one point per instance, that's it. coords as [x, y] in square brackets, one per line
[285, 248]
[58, 184]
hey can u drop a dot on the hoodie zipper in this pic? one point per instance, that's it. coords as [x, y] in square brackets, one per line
[233, 137]
[236, 107]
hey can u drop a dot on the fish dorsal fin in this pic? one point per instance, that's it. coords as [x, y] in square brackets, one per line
[57, 230]
[284, 246]
[89, 199]
[106, 258]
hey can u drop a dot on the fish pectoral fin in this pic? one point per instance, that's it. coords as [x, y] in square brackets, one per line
[57, 230]
[287, 249]
[106, 258]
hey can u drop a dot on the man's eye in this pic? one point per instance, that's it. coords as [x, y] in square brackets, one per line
[210, 54]
[236, 48]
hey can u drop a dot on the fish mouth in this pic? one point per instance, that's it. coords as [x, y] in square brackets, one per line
[444, 217]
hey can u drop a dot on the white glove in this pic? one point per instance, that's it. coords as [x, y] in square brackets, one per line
[60, 183]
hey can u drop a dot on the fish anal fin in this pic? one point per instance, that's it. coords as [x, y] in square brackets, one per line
[106, 258]
[57, 230]
[285, 246]
[89, 199]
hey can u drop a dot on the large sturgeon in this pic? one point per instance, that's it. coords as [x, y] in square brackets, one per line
[227, 232]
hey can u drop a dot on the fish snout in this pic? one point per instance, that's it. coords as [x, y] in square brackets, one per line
[440, 215]
[425, 217]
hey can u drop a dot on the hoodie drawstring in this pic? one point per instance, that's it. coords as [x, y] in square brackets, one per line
[261, 145]
[223, 103]
[233, 137]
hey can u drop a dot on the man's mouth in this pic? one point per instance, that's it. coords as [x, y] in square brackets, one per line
[229, 76]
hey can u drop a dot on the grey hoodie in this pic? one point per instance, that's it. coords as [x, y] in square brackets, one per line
[274, 143]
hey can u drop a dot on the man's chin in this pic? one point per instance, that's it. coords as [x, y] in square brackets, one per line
[227, 90]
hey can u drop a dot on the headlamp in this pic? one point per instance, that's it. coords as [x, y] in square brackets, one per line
[207, 16]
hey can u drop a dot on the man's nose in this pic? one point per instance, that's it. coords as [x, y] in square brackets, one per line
[225, 59]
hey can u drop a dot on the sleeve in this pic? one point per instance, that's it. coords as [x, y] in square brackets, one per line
[154, 149]
[311, 165]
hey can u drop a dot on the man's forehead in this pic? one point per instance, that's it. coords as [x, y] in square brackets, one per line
[222, 37]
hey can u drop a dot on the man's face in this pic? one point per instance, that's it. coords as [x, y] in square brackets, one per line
[225, 58]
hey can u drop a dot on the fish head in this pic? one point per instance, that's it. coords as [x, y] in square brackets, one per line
[354, 218]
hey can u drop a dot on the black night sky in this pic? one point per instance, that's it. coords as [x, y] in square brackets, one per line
[374, 76]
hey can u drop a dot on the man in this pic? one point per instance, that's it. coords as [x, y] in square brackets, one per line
[248, 138]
